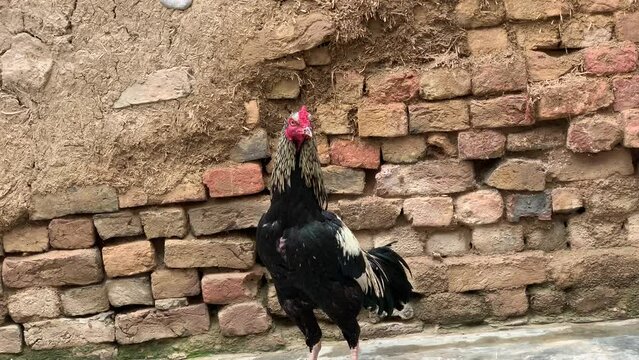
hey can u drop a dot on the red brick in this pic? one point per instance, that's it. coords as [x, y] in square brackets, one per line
[404, 150]
[536, 9]
[594, 134]
[174, 283]
[387, 120]
[27, 238]
[432, 177]
[496, 272]
[565, 165]
[233, 251]
[508, 303]
[542, 138]
[611, 59]
[234, 180]
[616, 267]
[475, 13]
[244, 319]
[581, 31]
[479, 207]
[518, 174]
[537, 35]
[572, 97]
[429, 276]
[626, 93]
[505, 111]
[627, 26]
[370, 212]
[429, 211]
[528, 205]
[629, 120]
[75, 233]
[445, 83]
[542, 66]
[393, 86]
[227, 288]
[355, 153]
[333, 119]
[487, 40]
[349, 86]
[600, 6]
[449, 243]
[498, 238]
[343, 180]
[566, 200]
[449, 115]
[483, 144]
[499, 73]
[129, 258]
[54, 268]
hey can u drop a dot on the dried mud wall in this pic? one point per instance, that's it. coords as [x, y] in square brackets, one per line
[494, 140]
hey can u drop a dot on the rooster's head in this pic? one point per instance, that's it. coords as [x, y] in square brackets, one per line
[298, 127]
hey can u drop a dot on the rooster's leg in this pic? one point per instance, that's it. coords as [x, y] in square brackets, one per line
[315, 351]
[355, 353]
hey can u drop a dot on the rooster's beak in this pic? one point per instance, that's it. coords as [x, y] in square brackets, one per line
[308, 132]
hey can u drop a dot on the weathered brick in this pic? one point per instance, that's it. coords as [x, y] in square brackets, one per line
[273, 304]
[475, 13]
[452, 308]
[546, 300]
[588, 300]
[232, 251]
[433, 177]
[370, 212]
[133, 197]
[611, 197]
[481, 144]
[565, 165]
[429, 276]
[495, 272]
[509, 110]
[291, 62]
[318, 56]
[508, 303]
[252, 109]
[121, 224]
[10, 339]
[633, 229]
[487, 40]
[537, 35]
[573, 96]
[4, 312]
[444, 83]
[189, 191]
[587, 231]
[449, 243]
[27, 238]
[528, 205]
[349, 86]
[174, 283]
[518, 174]
[600, 6]
[164, 222]
[129, 291]
[244, 319]
[54, 268]
[615, 267]
[34, 304]
[67, 333]
[407, 241]
[611, 59]
[629, 120]
[545, 235]
[84, 300]
[287, 88]
[171, 303]
[382, 120]
[449, 115]
[542, 138]
[393, 86]
[566, 200]
[333, 119]
[355, 153]
[76, 233]
[128, 258]
[404, 150]
[499, 73]
[323, 149]
[479, 207]
[228, 214]
[498, 238]
[152, 324]
[536, 9]
[343, 180]
[542, 67]
[390, 328]
[443, 145]
[626, 93]
[593, 134]
[627, 26]
[581, 31]
[227, 288]
[253, 146]
[429, 211]
[234, 180]
[76, 200]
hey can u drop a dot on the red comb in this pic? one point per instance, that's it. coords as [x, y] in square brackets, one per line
[303, 115]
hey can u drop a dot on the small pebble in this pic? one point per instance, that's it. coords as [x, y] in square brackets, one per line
[177, 4]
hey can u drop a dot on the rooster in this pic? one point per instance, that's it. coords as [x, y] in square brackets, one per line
[314, 259]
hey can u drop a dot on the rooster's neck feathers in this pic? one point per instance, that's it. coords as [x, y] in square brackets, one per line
[311, 170]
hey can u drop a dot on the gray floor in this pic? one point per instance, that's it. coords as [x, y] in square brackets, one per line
[605, 340]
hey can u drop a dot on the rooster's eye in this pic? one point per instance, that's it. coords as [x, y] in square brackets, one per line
[293, 122]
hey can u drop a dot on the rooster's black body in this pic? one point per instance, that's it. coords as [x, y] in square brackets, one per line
[314, 259]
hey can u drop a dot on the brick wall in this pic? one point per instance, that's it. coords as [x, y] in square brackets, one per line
[508, 180]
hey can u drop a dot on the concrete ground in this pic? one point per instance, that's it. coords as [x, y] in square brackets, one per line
[615, 340]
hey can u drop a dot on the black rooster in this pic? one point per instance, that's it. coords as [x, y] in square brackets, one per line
[314, 259]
